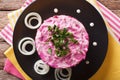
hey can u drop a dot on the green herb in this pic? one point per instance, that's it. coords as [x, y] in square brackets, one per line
[49, 51]
[61, 39]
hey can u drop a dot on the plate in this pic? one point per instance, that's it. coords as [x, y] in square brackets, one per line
[82, 11]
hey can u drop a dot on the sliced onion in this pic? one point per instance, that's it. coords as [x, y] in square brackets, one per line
[22, 46]
[41, 68]
[59, 75]
[30, 17]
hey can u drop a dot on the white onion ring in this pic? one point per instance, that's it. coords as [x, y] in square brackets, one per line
[29, 22]
[33, 15]
[23, 43]
[44, 67]
[64, 74]
[59, 74]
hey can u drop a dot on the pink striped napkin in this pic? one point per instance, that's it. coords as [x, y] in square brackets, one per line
[7, 34]
[28, 2]
[111, 18]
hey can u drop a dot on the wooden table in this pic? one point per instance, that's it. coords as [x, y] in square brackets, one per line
[6, 6]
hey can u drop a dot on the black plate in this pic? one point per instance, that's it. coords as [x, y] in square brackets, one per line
[98, 33]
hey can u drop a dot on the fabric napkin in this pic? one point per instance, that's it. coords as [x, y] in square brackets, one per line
[11, 57]
[9, 67]
[113, 22]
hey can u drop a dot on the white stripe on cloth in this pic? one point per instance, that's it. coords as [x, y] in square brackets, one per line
[7, 34]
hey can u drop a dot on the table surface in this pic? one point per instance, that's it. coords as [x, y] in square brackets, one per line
[6, 6]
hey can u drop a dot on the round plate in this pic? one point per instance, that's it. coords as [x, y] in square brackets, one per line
[88, 16]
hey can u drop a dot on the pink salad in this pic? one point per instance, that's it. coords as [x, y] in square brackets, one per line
[62, 41]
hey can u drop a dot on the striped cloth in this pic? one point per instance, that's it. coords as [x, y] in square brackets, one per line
[7, 32]
[28, 2]
[112, 19]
